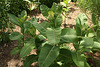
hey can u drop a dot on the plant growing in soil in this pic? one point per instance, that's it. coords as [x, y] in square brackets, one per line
[52, 50]
[66, 8]
[26, 27]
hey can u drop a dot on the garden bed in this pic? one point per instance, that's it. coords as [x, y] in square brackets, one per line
[6, 60]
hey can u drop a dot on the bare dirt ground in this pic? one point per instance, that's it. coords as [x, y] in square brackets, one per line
[6, 60]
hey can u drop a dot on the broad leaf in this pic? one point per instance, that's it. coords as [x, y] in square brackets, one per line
[47, 55]
[14, 19]
[88, 41]
[68, 35]
[15, 51]
[96, 45]
[29, 60]
[40, 27]
[65, 55]
[15, 36]
[79, 59]
[53, 35]
[44, 9]
[58, 21]
[28, 47]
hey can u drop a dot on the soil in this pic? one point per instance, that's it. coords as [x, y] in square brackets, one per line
[7, 60]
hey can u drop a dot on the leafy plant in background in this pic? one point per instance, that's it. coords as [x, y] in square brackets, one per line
[32, 4]
[66, 8]
[51, 42]
[4, 22]
[91, 5]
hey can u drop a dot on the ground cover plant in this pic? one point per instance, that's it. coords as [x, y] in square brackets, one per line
[52, 50]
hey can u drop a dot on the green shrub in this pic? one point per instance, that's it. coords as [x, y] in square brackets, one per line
[4, 22]
[92, 5]
[16, 6]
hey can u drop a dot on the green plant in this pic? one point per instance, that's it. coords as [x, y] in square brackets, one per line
[65, 7]
[51, 42]
[26, 27]
[32, 4]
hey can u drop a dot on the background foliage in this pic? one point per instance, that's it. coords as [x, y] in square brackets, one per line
[91, 5]
[48, 2]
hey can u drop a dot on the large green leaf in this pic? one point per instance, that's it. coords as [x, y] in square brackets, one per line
[14, 19]
[20, 19]
[28, 47]
[88, 41]
[81, 24]
[15, 36]
[15, 51]
[58, 21]
[47, 55]
[65, 55]
[96, 45]
[44, 9]
[68, 35]
[79, 59]
[40, 27]
[53, 35]
[29, 60]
